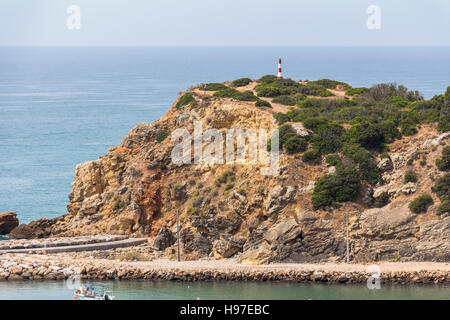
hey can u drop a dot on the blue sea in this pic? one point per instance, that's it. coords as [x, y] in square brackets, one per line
[63, 106]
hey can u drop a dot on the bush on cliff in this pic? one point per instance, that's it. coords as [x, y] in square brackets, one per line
[161, 135]
[263, 103]
[295, 145]
[442, 187]
[185, 100]
[410, 176]
[365, 161]
[290, 100]
[327, 138]
[421, 204]
[213, 86]
[382, 200]
[342, 186]
[236, 94]
[368, 135]
[312, 156]
[355, 91]
[443, 163]
[241, 82]
[329, 84]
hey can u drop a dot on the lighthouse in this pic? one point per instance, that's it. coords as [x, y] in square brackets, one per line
[279, 70]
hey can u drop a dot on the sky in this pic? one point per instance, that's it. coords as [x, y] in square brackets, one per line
[225, 23]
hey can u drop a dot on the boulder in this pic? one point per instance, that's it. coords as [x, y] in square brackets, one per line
[164, 239]
[194, 241]
[301, 131]
[385, 164]
[23, 231]
[139, 134]
[227, 246]
[41, 228]
[383, 223]
[8, 221]
[409, 188]
[279, 197]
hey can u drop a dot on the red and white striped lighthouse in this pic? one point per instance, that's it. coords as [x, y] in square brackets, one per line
[279, 69]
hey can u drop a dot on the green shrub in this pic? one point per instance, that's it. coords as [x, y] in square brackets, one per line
[442, 190]
[118, 203]
[285, 132]
[213, 87]
[382, 200]
[389, 130]
[368, 135]
[235, 94]
[410, 176]
[444, 207]
[421, 204]
[325, 93]
[442, 187]
[286, 100]
[185, 100]
[328, 138]
[241, 82]
[161, 135]
[295, 145]
[191, 211]
[354, 91]
[328, 84]
[315, 122]
[281, 117]
[342, 186]
[443, 163]
[399, 101]
[333, 160]
[268, 78]
[408, 128]
[226, 176]
[444, 123]
[312, 156]
[270, 91]
[365, 160]
[263, 103]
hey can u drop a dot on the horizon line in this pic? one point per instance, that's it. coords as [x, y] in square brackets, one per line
[224, 46]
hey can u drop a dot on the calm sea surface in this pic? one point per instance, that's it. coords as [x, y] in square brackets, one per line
[166, 290]
[63, 106]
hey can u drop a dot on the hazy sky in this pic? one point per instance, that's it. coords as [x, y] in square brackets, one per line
[225, 23]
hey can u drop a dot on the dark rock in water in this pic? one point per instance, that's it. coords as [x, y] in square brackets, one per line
[36, 229]
[23, 231]
[164, 239]
[8, 221]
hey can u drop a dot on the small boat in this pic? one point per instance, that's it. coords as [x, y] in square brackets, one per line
[88, 293]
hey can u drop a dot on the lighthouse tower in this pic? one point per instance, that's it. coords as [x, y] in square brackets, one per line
[279, 69]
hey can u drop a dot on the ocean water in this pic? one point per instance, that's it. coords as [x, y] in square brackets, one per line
[221, 290]
[63, 106]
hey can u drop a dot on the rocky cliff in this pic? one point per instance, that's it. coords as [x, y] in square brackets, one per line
[234, 211]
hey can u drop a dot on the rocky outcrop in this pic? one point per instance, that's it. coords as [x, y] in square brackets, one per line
[8, 221]
[164, 239]
[232, 210]
[41, 228]
[279, 197]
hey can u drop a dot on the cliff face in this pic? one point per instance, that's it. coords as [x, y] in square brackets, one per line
[229, 210]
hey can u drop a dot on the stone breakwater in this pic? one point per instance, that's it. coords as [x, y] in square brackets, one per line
[60, 267]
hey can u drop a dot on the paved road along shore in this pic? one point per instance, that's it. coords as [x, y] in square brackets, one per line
[62, 266]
